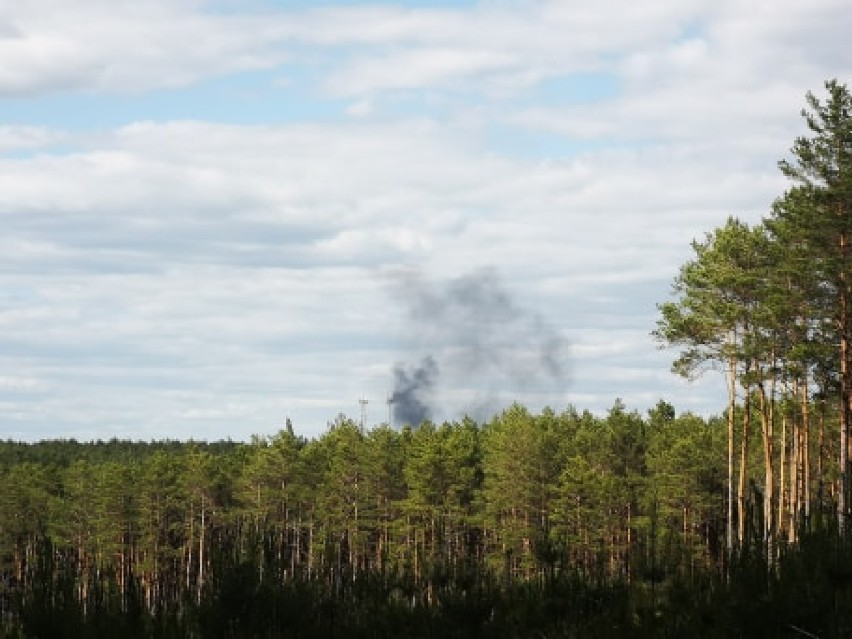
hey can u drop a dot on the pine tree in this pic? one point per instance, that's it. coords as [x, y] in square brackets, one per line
[714, 320]
[821, 167]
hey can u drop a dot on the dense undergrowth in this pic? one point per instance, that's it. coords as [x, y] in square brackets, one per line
[806, 593]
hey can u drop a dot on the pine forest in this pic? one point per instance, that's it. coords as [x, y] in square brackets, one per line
[558, 523]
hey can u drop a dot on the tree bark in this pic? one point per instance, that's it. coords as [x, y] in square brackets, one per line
[843, 462]
[732, 405]
[741, 509]
[768, 470]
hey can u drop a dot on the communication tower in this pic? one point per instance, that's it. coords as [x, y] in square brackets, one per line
[363, 403]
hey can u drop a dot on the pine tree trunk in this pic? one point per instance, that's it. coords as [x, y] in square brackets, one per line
[795, 459]
[741, 508]
[806, 454]
[821, 458]
[768, 479]
[732, 405]
[201, 551]
[784, 503]
[845, 393]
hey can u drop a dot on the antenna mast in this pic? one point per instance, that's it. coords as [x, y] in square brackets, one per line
[363, 403]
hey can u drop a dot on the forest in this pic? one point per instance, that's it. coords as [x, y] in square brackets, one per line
[530, 524]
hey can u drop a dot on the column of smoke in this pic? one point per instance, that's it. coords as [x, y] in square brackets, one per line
[412, 391]
[469, 331]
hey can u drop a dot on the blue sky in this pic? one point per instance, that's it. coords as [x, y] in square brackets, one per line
[218, 215]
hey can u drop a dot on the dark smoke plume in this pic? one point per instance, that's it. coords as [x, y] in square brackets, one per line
[482, 342]
[412, 391]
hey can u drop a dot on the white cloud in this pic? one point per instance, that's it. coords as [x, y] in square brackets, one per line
[360, 108]
[126, 46]
[26, 138]
[242, 266]
[129, 47]
[18, 383]
[419, 68]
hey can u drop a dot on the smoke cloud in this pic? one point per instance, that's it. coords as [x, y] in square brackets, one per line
[412, 392]
[488, 350]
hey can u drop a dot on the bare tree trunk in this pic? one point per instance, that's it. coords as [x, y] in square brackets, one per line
[806, 452]
[732, 405]
[296, 552]
[311, 547]
[845, 394]
[821, 457]
[741, 509]
[795, 475]
[785, 502]
[629, 542]
[844, 440]
[201, 551]
[768, 478]
[188, 553]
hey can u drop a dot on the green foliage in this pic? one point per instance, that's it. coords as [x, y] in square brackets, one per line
[552, 525]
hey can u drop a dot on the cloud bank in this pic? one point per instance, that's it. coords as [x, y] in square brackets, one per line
[203, 202]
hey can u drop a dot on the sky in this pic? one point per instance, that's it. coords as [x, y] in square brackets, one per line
[219, 215]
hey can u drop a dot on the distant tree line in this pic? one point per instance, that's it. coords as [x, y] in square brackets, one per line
[524, 496]
[291, 531]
